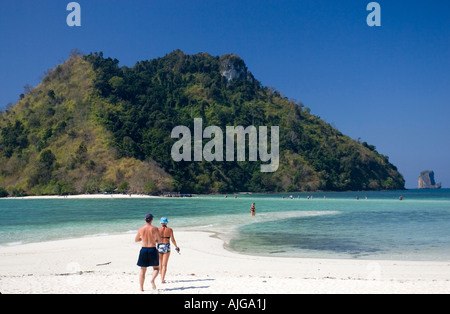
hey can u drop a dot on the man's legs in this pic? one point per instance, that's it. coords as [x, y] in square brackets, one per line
[142, 277]
[154, 275]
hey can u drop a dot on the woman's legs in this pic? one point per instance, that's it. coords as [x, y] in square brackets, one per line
[163, 261]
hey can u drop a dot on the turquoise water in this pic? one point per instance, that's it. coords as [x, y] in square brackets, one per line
[379, 227]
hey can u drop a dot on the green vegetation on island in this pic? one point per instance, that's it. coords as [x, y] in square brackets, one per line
[92, 126]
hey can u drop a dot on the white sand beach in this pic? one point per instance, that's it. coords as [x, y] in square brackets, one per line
[107, 264]
[82, 196]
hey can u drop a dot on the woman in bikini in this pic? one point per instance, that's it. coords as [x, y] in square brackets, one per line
[165, 234]
[253, 209]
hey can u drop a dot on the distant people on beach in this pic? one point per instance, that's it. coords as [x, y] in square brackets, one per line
[177, 194]
[148, 256]
[253, 209]
[166, 234]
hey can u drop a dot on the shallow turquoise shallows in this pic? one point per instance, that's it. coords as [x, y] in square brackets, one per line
[369, 225]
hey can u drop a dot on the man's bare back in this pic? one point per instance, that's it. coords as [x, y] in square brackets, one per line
[149, 235]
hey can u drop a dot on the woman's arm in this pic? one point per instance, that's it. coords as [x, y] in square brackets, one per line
[173, 239]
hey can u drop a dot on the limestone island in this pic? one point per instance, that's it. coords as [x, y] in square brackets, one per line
[426, 180]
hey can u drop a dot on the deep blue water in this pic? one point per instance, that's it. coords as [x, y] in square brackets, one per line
[379, 227]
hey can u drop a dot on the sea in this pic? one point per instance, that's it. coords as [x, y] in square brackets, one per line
[390, 225]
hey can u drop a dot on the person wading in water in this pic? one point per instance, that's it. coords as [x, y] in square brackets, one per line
[253, 209]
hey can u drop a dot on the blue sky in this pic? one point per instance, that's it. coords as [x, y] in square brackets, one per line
[388, 85]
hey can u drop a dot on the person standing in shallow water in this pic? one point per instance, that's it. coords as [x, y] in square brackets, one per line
[148, 256]
[253, 209]
[165, 234]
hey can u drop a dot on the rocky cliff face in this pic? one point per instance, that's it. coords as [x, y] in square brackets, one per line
[232, 67]
[426, 180]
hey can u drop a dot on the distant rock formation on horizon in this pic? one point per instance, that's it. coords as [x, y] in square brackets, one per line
[426, 180]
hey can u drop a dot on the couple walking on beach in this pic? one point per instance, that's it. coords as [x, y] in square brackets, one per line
[152, 254]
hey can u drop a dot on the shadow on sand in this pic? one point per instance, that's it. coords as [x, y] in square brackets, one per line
[187, 287]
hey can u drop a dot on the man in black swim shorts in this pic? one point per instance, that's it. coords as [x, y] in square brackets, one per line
[148, 256]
